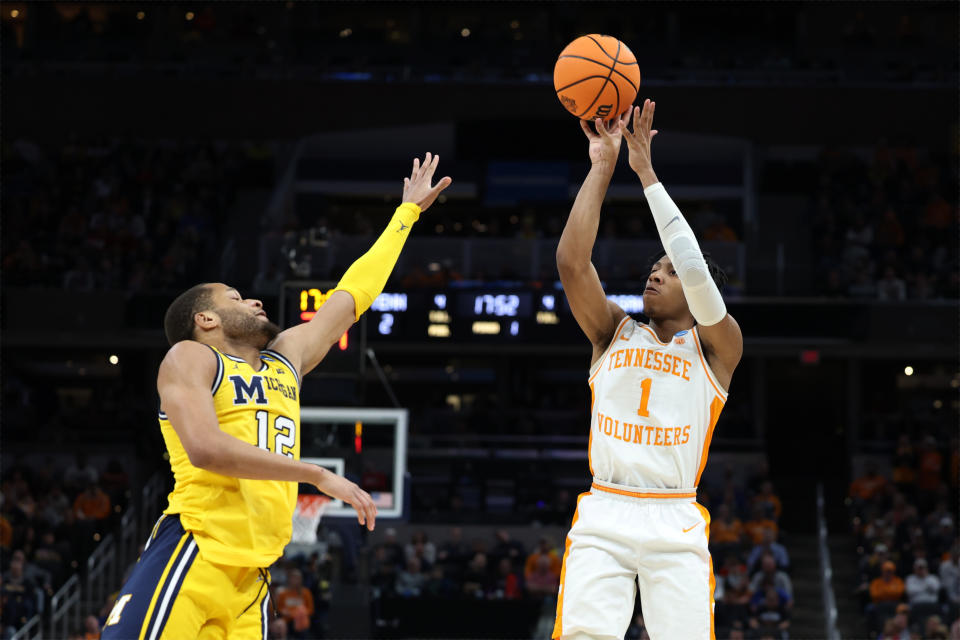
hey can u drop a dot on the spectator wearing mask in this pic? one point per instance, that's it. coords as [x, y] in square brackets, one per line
[922, 587]
[771, 546]
[411, 579]
[769, 574]
[950, 575]
[768, 500]
[758, 523]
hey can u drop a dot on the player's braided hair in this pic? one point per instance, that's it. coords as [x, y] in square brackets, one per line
[716, 272]
[178, 320]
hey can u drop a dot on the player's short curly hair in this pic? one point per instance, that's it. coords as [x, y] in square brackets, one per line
[178, 322]
[716, 272]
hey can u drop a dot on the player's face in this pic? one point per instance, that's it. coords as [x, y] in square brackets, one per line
[663, 296]
[243, 319]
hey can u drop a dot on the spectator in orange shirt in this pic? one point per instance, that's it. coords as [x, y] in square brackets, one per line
[726, 528]
[768, 499]
[543, 549]
[91, 628]
[888, 587]
[92, 504]
[295, 604]
[929, 473]
[759, 523]
[869, 485]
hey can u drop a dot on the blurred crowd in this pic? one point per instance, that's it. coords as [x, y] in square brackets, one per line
[51, 519]
[131, 216]
[501, 43]
[754, 592]
[905, 523]
[885, 226]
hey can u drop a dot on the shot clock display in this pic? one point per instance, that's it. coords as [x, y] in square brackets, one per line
[455, 315]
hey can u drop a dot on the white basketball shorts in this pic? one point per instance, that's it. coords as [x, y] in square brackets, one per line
[622, 537]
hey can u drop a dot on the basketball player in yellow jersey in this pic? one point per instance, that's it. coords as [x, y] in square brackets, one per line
[657, 390]
[230, 416]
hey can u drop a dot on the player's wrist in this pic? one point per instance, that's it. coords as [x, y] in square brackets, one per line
[647, 177]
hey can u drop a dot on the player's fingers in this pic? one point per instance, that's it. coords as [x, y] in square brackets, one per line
[431, 165]
[445, 182]
[601, 128]
[586, 130]
[653, 132]
[416, 169]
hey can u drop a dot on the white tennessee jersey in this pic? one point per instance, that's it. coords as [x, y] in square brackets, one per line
[653, 409]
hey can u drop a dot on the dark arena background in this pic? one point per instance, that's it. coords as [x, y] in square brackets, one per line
[813, 147]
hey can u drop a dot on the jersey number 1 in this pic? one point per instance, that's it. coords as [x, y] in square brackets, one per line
[645, 398]
[284, 440]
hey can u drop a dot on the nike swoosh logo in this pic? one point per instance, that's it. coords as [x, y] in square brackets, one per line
[675, 218]
[689, 528]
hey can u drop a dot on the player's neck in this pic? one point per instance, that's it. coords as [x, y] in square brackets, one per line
[250, 353]
[666, 328]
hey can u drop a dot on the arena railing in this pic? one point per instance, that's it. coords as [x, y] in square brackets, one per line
[101, 571]
[32, 630]
[826, 573]
[65, 608]
[129, 537]
[150, 498]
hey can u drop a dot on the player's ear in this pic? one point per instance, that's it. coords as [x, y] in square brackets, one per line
[207, 320]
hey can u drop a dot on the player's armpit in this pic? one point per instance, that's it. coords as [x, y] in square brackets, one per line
[723, 343]
[305, 345]
[598, 317]
[184, 384]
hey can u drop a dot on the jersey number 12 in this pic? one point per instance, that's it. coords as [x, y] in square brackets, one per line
[285, 437]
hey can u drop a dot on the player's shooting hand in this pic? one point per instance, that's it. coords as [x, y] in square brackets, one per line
[417, 187]
[339, 487]
[638, 140]
[605, 142]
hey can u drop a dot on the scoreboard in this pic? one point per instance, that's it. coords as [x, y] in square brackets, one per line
[477, 315]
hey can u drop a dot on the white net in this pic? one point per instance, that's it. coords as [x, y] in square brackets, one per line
[306, 517]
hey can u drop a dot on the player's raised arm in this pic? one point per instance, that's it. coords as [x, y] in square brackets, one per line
[597, 317]
[184, 382]
[718, 330]
[306, 345]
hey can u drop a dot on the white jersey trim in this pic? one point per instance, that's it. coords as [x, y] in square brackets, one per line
[706, 367]
[616, 334]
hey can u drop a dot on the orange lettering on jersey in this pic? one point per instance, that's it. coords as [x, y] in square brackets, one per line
[658, 439]
[686, 434]
[649, 431]
[676, 435]
[608, 426]
[686, 371]
[657, 361]
[666, 437]
[638, 434]
[616, 429]
[646, 360]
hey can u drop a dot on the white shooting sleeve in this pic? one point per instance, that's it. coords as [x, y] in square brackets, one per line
[703, 297]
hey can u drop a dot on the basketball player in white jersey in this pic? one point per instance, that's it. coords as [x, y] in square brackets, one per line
[657, 390]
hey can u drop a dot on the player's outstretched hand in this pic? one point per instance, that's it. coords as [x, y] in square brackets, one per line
[605, 142]
[417, 187]
[638, 140]
[342, 489]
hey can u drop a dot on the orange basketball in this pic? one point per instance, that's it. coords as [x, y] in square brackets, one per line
[596, 77]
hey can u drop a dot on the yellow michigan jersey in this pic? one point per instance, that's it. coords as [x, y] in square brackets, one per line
[239, 522]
